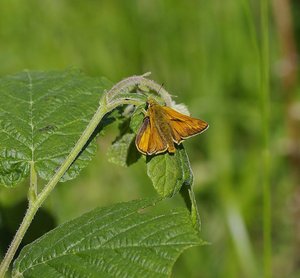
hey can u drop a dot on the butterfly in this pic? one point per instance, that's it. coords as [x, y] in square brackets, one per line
[163, 127]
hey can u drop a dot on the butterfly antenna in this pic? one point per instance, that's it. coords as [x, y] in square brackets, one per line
[162, 84]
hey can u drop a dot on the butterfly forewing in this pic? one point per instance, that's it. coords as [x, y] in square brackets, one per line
[183, 126]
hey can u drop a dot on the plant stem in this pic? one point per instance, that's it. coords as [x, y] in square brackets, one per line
[108, 102]
[265, 105]
[138, 81]
[30, 213]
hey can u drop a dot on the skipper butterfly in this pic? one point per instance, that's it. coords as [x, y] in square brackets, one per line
[163, 127]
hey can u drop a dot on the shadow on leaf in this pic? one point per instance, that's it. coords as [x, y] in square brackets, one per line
[10, 218]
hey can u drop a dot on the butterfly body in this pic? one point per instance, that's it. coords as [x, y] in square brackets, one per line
[163, 126]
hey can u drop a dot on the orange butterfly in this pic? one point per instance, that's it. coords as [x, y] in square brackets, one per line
[163, 126]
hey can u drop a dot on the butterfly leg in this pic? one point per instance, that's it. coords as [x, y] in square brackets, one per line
[144, 112]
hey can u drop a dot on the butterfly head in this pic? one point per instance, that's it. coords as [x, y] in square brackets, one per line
[152, 102]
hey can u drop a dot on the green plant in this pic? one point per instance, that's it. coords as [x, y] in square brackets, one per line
[48, 129]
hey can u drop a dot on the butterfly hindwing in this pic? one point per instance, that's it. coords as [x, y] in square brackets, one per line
[148, 140]
[143, 136]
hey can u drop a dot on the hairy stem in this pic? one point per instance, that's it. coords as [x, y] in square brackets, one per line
[141, 82]
[108, 102]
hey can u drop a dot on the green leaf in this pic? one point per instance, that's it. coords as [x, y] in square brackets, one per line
[122, 152]
[137, 118]
[42, 115]
[169, 172]
[123, 240]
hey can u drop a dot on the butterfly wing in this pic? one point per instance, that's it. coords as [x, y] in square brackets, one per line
[183, 126]
[143, 136]
[148, 140]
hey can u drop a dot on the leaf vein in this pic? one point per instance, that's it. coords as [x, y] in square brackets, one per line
[94, 219]
[22, 142]
[191, 243]
[31, 114]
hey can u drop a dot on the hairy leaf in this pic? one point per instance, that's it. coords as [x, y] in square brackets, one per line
[42, 115]
[122, 240]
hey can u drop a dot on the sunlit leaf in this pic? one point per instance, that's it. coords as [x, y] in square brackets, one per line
[169, 172]
[122, 240]
[42, 115]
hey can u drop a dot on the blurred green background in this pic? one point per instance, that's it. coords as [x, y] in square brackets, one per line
[207, 53]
